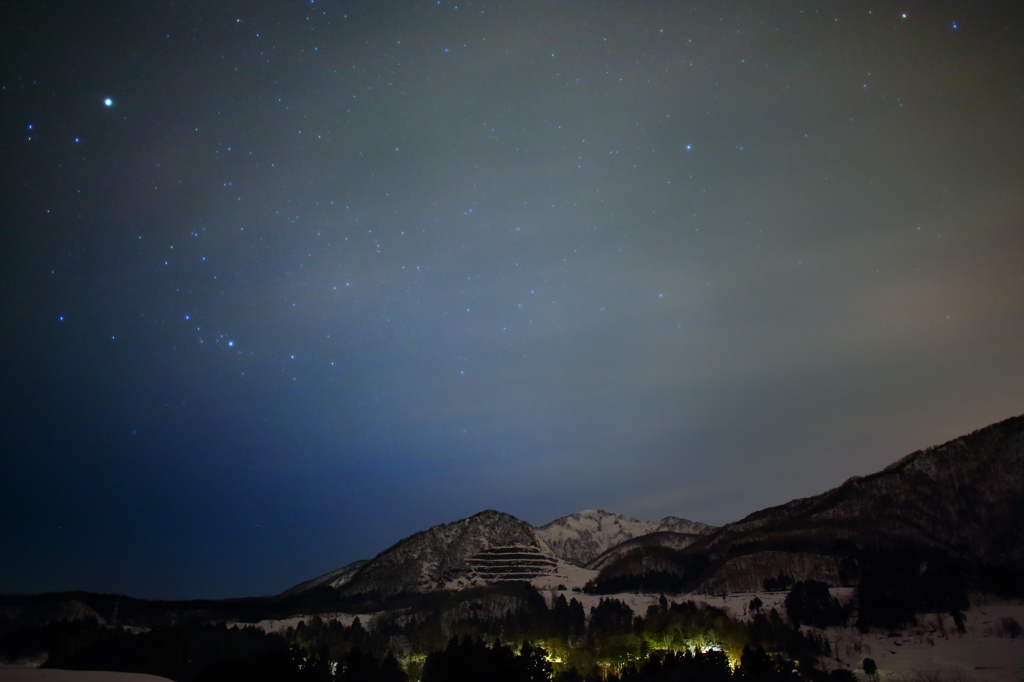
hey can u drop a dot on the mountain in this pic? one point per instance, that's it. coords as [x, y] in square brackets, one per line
[333, 579]
[486, 547]
[960, 502]
[664, 539]
[674, 524]
[580, 538]
[495, 547]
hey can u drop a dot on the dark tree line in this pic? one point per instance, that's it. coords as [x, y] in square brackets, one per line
[711, 666]
[469, 660]
[451, 636]
[691, 569]
[778, 584]
[58, 639]
[810, 603]
[322, 652]
[531, 620]
[179, 652]
[770, 633]
[896, 586]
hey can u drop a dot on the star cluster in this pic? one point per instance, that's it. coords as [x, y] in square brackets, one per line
[284, 283]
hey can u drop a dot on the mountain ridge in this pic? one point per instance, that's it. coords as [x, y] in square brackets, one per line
[961, 500]
[464, 553]
[581, 537]
[438, 558]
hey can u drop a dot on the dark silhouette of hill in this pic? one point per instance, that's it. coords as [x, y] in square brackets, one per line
[961, 501]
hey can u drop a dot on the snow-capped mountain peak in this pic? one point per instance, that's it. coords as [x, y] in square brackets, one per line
[579, 538]
[491, 547]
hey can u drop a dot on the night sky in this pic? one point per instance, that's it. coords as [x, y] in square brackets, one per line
[284, 283]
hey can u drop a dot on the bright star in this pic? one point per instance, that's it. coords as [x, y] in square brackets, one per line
[109, 102]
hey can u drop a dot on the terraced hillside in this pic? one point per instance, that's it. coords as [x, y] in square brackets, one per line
[516, 562]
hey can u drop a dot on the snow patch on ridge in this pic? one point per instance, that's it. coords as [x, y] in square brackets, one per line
[580, 538]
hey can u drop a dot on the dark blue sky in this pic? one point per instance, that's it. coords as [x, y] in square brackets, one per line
[325, 274]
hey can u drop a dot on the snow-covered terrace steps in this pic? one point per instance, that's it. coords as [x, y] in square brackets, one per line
[514, 562]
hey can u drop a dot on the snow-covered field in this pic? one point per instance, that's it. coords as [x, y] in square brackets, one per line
[12, 674]
[565, 574]
[915, 654]
[980, 653]
[934, 645]
[281, 625]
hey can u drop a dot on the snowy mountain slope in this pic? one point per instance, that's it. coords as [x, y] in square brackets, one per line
[664, 538]
[580, 538]
[492, 546]
[963, 497]
[446, 556]
[960, 500]
[674, 524]
[333, 579]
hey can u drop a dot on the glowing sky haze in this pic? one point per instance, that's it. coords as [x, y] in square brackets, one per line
[283, 283]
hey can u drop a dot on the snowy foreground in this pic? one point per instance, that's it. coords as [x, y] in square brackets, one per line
[44, 675]
[934, 645]
[915, 654]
